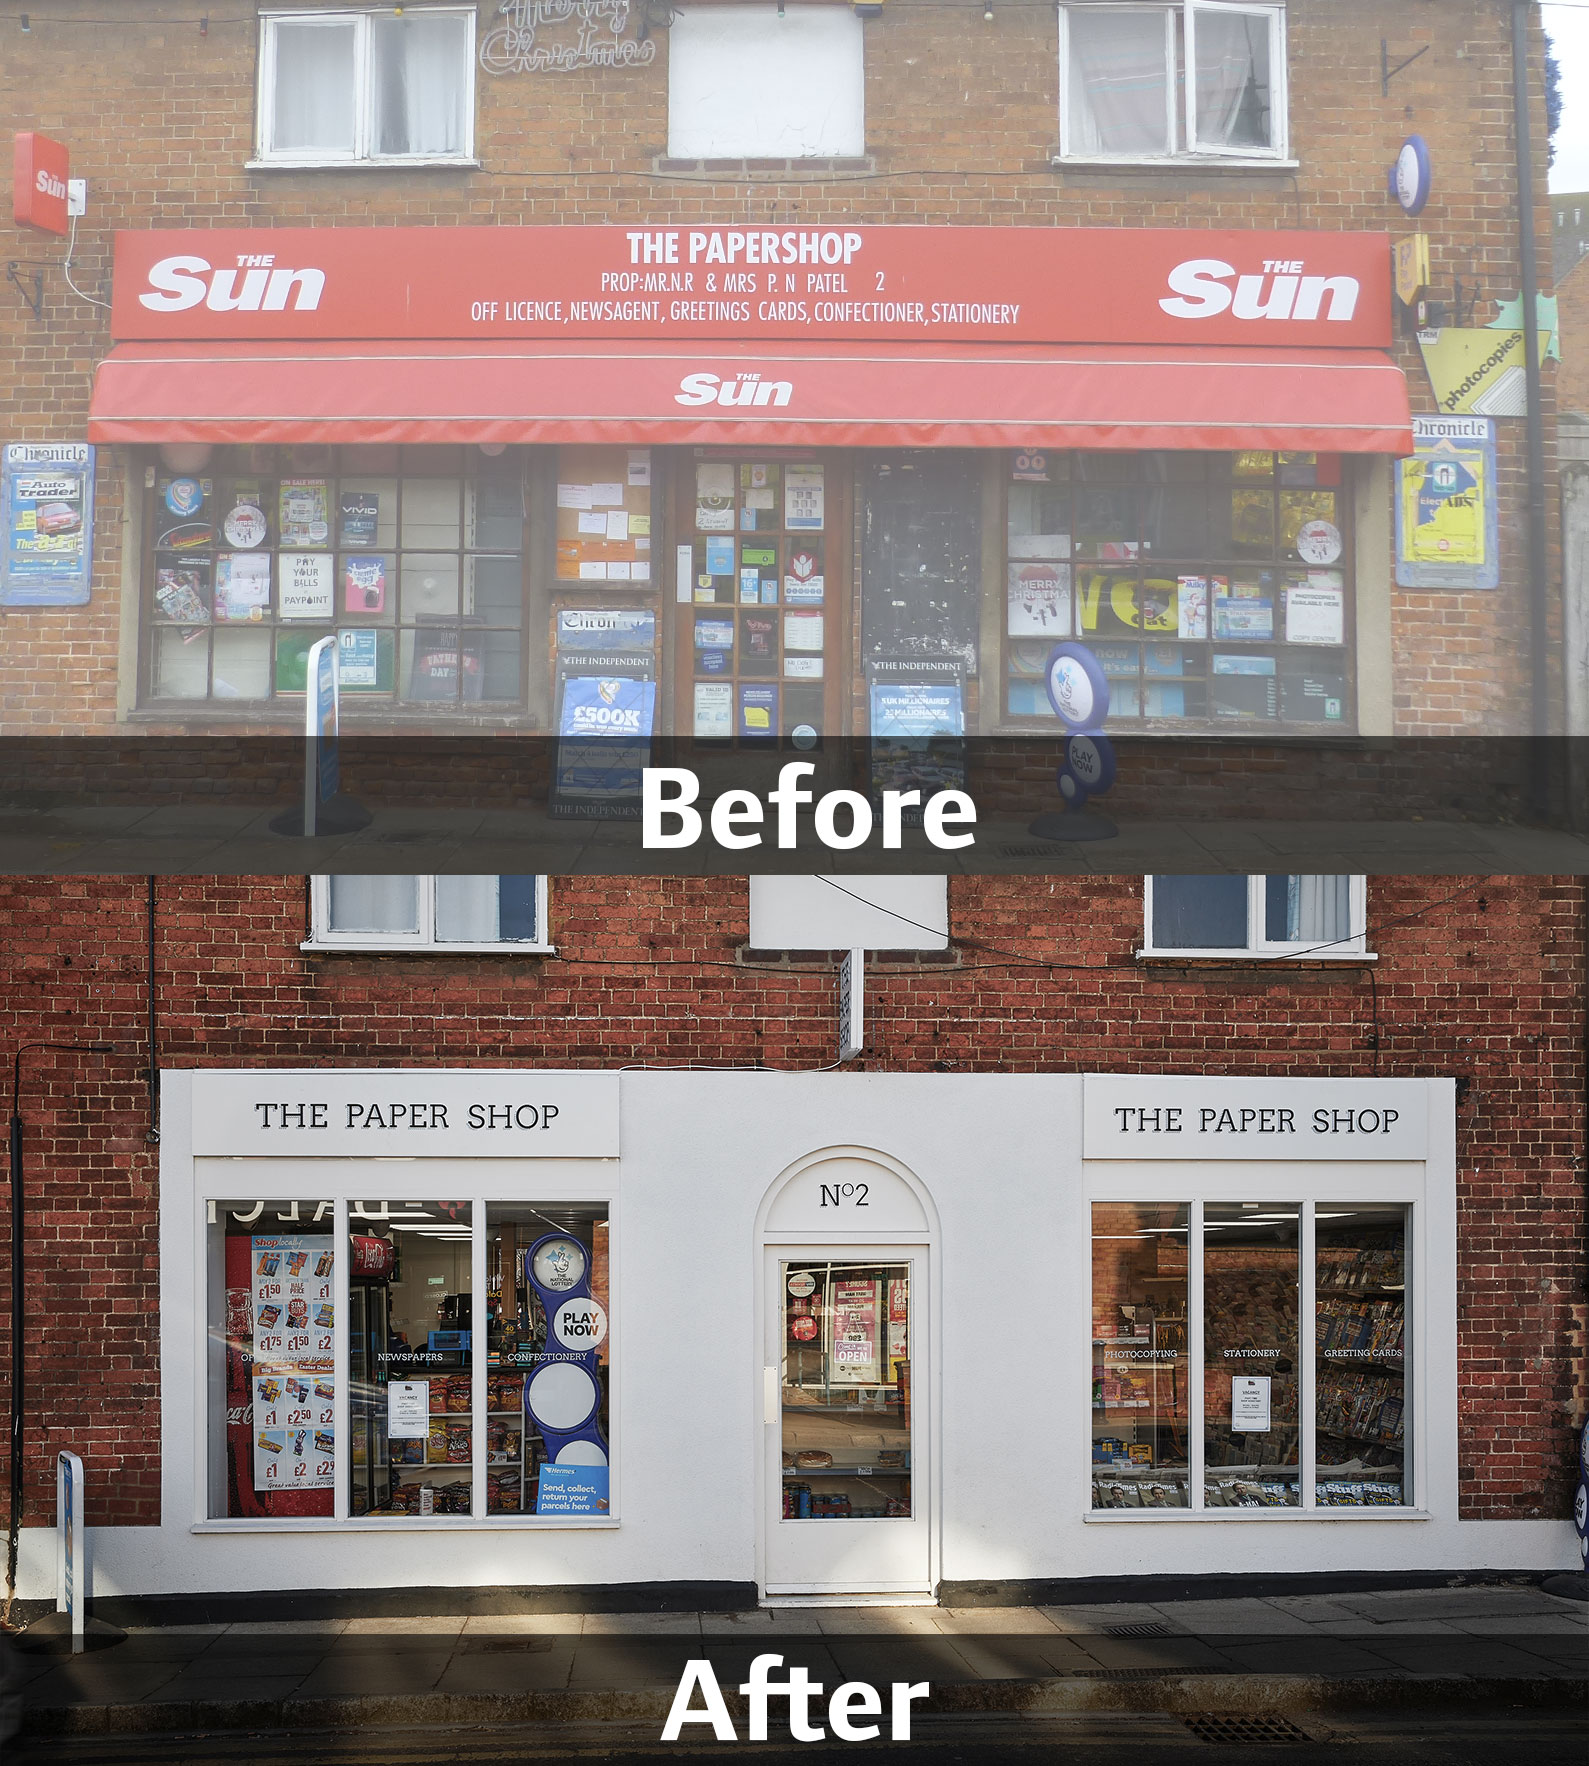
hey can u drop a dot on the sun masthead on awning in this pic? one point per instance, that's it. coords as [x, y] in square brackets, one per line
[793, 394]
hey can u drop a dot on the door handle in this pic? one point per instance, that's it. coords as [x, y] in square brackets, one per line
[770, 1395]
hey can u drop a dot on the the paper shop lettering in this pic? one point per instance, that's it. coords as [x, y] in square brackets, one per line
[182, 282]
[405, 1116]
[1212, 1119]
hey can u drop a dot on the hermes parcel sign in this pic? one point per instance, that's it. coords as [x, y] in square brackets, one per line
[524, 1113]
[947, 284]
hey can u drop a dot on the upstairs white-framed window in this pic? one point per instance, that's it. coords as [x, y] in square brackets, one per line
[356, 87]
[452, 915]
[765, 82]
[1279, 915]
[1195, 80]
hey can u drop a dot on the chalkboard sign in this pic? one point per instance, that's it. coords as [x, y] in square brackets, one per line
[921, 556]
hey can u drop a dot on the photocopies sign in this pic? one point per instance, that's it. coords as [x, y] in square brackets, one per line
[524, 1113]
[1192, 1117]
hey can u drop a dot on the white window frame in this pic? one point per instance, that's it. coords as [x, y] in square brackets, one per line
[1183, 127]
[321, 937]
[1430, 1410]
[347, 1185]
[1261, 949]
[266, 155]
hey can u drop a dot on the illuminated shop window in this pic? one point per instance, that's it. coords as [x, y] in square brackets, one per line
[1276, 1379]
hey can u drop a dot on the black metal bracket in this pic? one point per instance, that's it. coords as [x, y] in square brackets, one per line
[1387, 73]
[35, 299]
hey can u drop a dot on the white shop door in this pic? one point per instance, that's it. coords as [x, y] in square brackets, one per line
[845, 1388]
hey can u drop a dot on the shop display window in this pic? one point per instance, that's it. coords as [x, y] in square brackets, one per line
[846, 1430]
[1319, 916]
[1213, 588]
[548, 1357]
[411, 1358]
[1269, 1424]
[435, 1428]
[1251, 1299]
[271, 1365]
[1141, 1401]
[412, 557]
[1360, 1349]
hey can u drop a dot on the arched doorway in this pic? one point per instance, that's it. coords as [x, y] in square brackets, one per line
[847, 1240]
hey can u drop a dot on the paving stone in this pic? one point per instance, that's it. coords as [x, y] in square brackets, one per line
[1526, 1625]
[445, 1626]
[1000, 1621]
[524, 1624]
[641, 1625]
[1099, 1618]
[1249, 1618]
[877, 1621]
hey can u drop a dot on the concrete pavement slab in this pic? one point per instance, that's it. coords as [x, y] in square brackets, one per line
[1019, 1658]
[1527, 1625]
[785, 1621]
[286, 1628]
[188, 1688]
[878, 1621]
[1164, 1653]
[445, 1625]
[1454, 1655]
[1323, 1655]
[1314, 1608]
[491, 1674]
[641, 1625]
[1000, 1621]
[1248, 1618]
[524, 1624]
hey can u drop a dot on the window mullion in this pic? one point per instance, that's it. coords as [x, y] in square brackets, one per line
[1257, 913]
[1307, 1342]
[363, 74]
[1189, 38]
[478, 1312]
[1194, 1351]
[1172, 109]
[341, 1342]
[427, 908]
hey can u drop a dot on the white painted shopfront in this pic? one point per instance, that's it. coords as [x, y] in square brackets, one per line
[900, 1266]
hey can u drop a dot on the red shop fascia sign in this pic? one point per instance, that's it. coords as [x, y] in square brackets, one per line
[983, 285]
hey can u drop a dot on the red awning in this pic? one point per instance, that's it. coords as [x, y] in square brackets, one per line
[808, 395]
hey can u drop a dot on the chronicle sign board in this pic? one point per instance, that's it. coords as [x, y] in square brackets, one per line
[518, 1114]
[1183, 1117]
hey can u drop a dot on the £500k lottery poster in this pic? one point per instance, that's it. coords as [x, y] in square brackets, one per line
[294, 1391]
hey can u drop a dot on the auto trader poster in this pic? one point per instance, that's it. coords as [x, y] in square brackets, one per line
[1447, 531]
[47, 502]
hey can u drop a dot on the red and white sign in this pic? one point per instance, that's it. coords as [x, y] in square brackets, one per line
[862, 284]
[39, 170]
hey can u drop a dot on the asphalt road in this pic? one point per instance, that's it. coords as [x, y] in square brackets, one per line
[1474, 1736]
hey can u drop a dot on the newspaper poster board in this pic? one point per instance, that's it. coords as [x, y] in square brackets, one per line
[1447, 525]
[47, 504]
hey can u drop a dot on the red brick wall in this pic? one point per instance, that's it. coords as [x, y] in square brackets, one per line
[962, 121]
[1481, 979]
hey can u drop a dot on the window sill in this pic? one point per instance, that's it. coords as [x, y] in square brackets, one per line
[409, 1524]
[418, 162]
[1179, 163]
[1226, 957]
[346, 947]
[1112, 1517]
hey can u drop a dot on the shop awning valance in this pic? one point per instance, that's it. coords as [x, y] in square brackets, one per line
[808, 395]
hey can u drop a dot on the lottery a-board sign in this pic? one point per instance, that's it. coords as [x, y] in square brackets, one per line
[291, 1281]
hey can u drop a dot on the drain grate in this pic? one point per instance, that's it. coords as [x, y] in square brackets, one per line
[514, 1646]
[1043, 851]
[1169, 1671]
[1143, 1630]
[1253, 1727]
